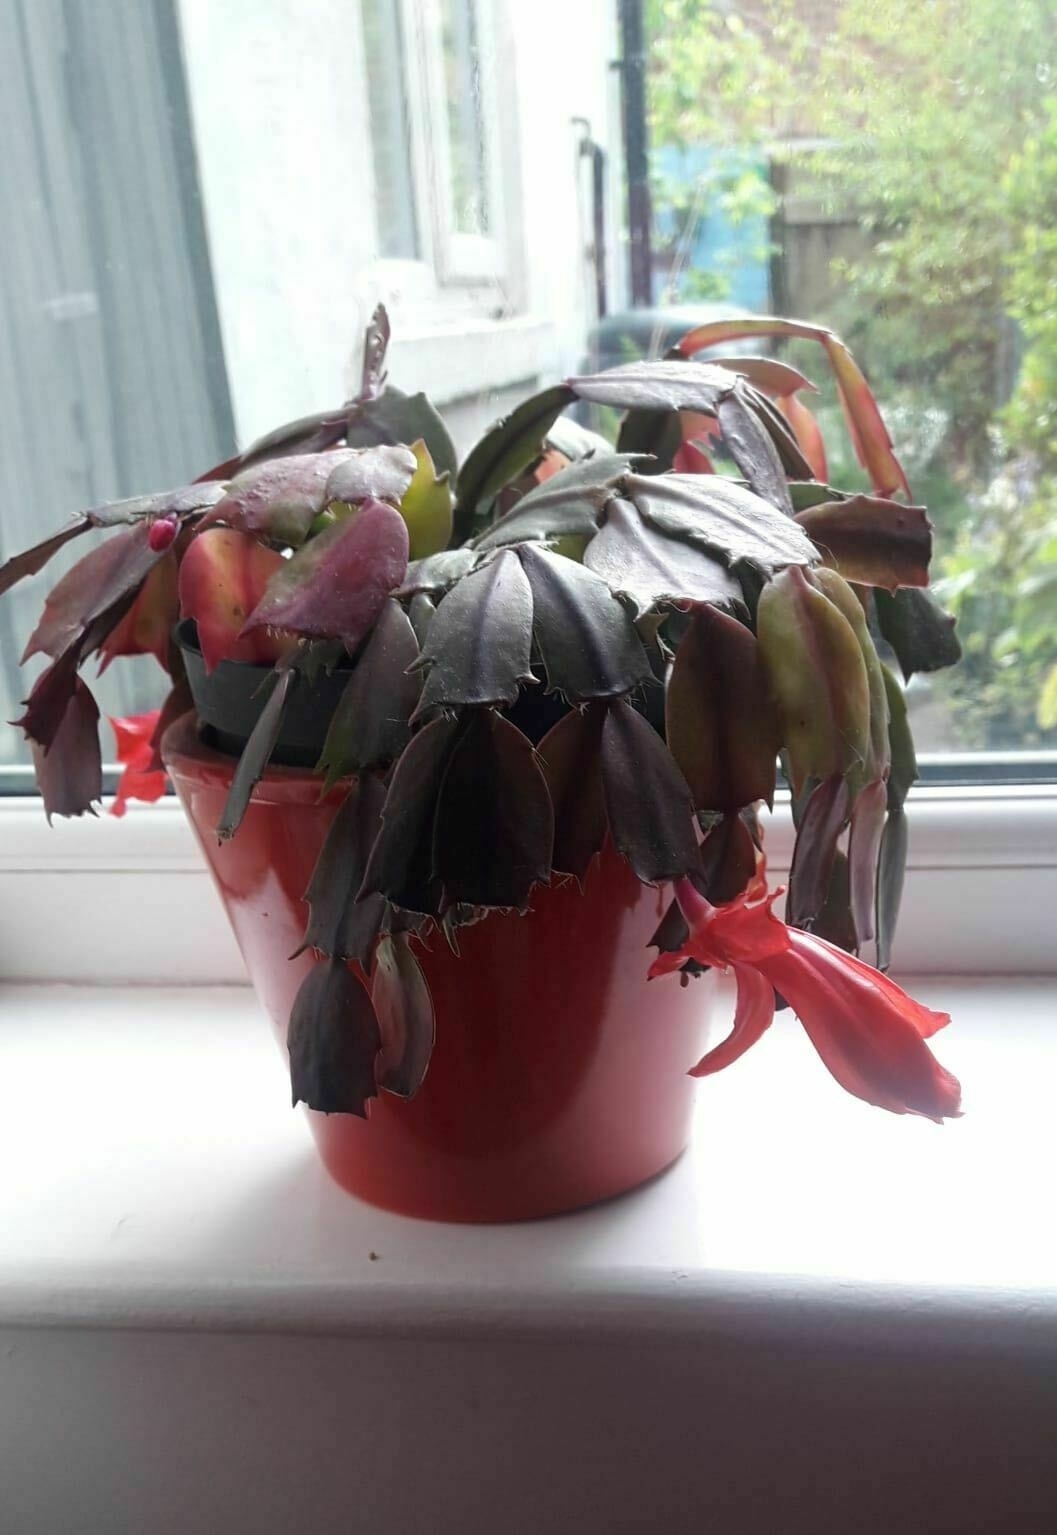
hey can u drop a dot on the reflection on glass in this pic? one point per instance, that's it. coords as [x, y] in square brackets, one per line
[466, 140]
[390, 139]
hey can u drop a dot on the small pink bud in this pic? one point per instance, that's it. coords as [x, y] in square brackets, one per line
[162, 534]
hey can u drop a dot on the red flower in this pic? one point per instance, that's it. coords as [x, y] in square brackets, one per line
[135, 752]
[869, 1033]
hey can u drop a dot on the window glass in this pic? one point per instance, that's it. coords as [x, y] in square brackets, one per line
[186, 260]
[465, 112]
[889, 168]
[394, 189]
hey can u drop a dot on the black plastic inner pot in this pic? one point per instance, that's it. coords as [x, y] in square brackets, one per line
[229, 699]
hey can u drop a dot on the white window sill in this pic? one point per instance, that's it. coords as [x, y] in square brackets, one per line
[821, 1298]
[129, 901]
[475, 356]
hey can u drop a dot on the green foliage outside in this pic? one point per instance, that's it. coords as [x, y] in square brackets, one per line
[934, 122]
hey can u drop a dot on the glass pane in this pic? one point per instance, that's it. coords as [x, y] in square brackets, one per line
[390, 130]
[466, 127]
[186, 263]
[889, 169]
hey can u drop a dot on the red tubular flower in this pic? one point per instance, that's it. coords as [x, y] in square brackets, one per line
[869, 1033]
[134, 735]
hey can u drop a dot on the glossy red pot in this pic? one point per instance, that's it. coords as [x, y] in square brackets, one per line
[559, 1076]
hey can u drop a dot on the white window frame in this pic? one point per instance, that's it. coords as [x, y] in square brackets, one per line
[458, 257]
[451, 264]
[129, 901]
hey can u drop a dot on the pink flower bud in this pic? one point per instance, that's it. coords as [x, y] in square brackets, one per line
[162, 534]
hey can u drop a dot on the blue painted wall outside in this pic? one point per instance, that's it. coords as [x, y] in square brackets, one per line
[732, 250]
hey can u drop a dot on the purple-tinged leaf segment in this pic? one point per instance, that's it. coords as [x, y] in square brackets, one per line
[808, 436]
[401, 862]
[841, 595]
[277, 500]
[404, 1010]
[638, 561]
[479, 644]
[750, 446]
[504, 451]
[728, 860]
[169, 504]
[97, 584]
[823, 820]
[769, 375]
[19, 566]
[342, 923]
[834, 921]
[903, 770]
[49, 698]
[438, 572]
[657, 385]
[394, 419]
[146, 629]
[721, 518]
[872, 540]
[70, 771]
[891, 876]
[375, 346]
[421, 611]
[728, 863]
[720, 722]
[280, 499]
[308, 434]
[336, 586]
[818, 679]
[372, 474]
[568, 505]
[775, 393]
[370, 727]
[256, 754]
[870, 438]
[654, 437]
[647, 799]
[586, 637]
[864, 845]
[182, 502]
[333, 1041]
[570, 753]
[918, 630]
[892, 855]
[493, 834]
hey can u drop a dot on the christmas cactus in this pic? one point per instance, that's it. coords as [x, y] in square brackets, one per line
[557, 642]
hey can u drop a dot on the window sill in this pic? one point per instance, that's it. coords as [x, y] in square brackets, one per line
[471, 357]
[181, 1286]
[103, 900]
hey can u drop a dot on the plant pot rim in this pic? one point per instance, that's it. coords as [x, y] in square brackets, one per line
[229, 699]
[202, 763]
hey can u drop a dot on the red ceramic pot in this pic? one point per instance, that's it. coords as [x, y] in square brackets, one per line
[559, 1076]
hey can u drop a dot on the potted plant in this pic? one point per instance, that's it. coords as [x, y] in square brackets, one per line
[461, 741]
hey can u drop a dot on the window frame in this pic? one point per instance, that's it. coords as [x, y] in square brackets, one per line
[130, 901]
[459, 257]
[449, 262]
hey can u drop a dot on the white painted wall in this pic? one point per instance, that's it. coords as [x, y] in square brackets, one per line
[564, 49]
[282, 157]
[281, 128]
